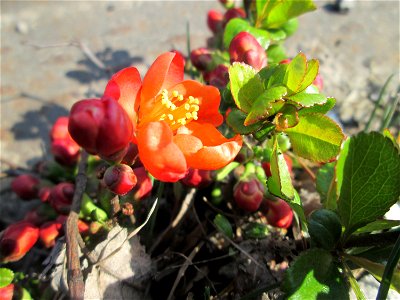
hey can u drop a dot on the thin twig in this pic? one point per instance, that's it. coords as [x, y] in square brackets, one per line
[186, 204]
[218, 210]
[116, 208]
[183, 269]
[75, 277]
[305, 167]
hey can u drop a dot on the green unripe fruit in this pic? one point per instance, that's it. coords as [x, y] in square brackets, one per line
[325, 228]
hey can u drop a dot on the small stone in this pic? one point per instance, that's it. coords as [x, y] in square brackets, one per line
[22, 27]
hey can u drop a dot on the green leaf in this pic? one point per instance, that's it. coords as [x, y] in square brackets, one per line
[378, 225]
[303, 99]
[311, 74]
[237, 25]
[377, 270]
[319, 108]
[324, 183]
[263, 107]
[314, 275]
[276, 34]
[280, 182]
[368, 179]
[276, 53]
[263, 8]
[262, 134]
[245, 85]
[296, 72]
[353, 283]
[236, 119]
[297, 207]
[256, 231]
[223, 225]
[286, 10]
[6, 277]
[316, 137]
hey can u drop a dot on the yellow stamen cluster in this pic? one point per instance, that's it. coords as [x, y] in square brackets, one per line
[176, 110]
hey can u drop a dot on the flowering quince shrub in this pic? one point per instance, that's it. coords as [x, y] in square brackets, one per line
[211, 167]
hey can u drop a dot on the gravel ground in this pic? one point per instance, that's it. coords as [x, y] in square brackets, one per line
[43, 71]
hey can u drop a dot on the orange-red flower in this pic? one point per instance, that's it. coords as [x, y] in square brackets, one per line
[174, 119]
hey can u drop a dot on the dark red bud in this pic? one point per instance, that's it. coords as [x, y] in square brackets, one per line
[248, 194]
[215, 20]
[65, 152]
[144, 184]
[245, 48]
[44, 193]
[131, 155]
[26, 186]
[17, 240]
[61, 197]
[201, 58]
[119, 179]
[233, 13]
[279, 213]
[219, 77]
[197, 178]
[100, 126]
[33, 216]
[59, 131]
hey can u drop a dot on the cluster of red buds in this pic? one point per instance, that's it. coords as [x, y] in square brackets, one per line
[64, 149]
[243, 48]
[250, 194]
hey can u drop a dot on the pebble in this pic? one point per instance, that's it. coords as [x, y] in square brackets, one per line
[22, 27]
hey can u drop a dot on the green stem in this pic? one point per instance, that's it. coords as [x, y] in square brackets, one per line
[224, 172]
[389, 269]
[384, 238]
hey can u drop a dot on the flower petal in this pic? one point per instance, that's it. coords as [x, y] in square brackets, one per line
[166, 71]
[159, 154]
[209, 99]
[216, 152]
[124, 87]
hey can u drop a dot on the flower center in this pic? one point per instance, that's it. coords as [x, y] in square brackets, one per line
[174, 109]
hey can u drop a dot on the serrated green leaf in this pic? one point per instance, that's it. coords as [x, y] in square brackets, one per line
[223, 225]
[314, 275]
[236, 25]
[303, 99]
[311, 73]
[280, 182]
[286, 10]
[368, 179]
[274, 76]
[377, 270]
[316, 137]
[319, 108]
[378, 225]
[263, 8]
[263, 107]
[295, 73]
[276, 34]
[325, 178]
[262, 134]
[245, 85]
[6, 277]
[236, 119]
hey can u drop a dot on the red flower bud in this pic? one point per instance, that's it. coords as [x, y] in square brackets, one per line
[219, 77]
[279, 213]
[66, 152]
[61, 197]
[26, 186]
[248, 194]
[6, 293]
[318, 81]
[197, 178]
[201, 59]
[35, 217]
[60, 129]
[233, 13]
[17, 240]
[101, 127]
[49, 232]
[245, 48]
[267, 165]
[215, 20]
[144, 184]
[119, 179]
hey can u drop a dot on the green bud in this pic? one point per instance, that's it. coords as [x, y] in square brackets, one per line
[325, 228]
